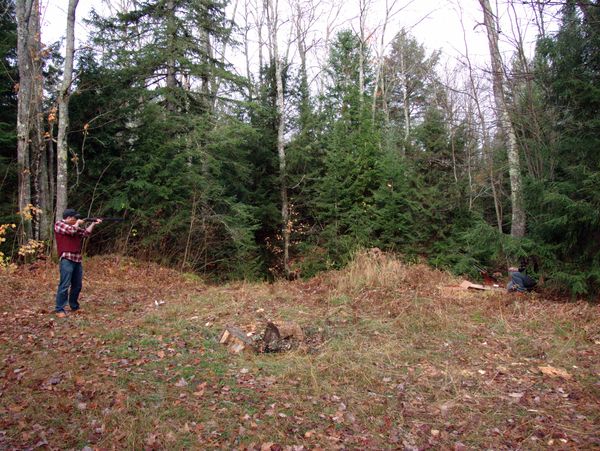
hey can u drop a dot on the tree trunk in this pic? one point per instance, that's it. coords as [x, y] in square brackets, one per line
[584, 5]
[381, 60]
[63, 114]
[514, 166]
[51, 169]
[259, 25]
[43, 212]
[301, 38]
[405, 102]
[25, 27]
[361, 56]
[272, 20]
[247, 53]
[486, 147]
[216, 81]
[38, 151]
[304, 19]
[171, 36]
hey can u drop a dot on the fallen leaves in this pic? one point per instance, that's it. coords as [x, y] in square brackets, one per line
[152, 440]
[200, 389]
[554, 372]
[403, 372]
[181, 383]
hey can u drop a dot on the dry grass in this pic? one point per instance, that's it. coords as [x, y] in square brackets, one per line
[393, 360]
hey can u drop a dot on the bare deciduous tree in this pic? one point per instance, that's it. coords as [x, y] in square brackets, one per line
[485, 136]
[63, 114]
[506, 126]
[272, 13]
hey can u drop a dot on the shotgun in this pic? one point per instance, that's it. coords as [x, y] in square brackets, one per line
[488, 279]
[104, 219]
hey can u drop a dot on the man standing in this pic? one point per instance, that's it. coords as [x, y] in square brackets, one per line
[69, 240]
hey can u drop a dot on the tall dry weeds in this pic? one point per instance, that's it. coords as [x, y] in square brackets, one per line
[374, 269]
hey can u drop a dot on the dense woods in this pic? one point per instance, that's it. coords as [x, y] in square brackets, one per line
[238, 145]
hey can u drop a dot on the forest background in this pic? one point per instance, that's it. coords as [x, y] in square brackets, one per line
[328, 137]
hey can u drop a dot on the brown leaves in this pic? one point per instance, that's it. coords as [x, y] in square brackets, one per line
[54, 380]
[152, 441]
[426, 377]
[200, 389]
[181, 383]
[554, 372]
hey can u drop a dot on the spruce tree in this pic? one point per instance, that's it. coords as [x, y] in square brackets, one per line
[353, 157]
[564, 203]
[177, 168]
[8, 111]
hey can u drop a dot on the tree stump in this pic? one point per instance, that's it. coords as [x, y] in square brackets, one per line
[277, 337]
[281, 336]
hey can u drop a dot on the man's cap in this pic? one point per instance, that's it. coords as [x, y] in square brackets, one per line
[71, 212]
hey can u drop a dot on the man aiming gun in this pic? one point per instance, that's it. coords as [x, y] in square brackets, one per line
[69, 240]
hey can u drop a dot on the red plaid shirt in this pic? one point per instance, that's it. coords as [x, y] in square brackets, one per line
[67, 229]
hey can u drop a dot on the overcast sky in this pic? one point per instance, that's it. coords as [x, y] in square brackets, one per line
[435, 23]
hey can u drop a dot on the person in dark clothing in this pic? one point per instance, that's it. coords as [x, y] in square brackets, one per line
[519, 280]
[69, 235]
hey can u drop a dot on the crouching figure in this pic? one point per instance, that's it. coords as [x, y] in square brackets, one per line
[519, 280]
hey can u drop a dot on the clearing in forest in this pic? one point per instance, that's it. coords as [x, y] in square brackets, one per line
[392, 360]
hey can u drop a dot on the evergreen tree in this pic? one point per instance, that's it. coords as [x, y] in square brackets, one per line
[168, 45]
[180, 169]
[564, 203]
[352, 157]
[8, 111]
[408, 77]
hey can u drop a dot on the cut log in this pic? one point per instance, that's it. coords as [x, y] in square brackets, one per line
[224, 337]
[236, 340]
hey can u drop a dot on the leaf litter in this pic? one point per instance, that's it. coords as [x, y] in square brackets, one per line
[391, 360]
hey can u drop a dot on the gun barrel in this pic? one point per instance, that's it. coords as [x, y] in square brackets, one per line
[104, 219]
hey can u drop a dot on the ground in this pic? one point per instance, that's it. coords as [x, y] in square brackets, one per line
[395, 358]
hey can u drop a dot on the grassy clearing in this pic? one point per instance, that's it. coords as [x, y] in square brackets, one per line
[393, 360]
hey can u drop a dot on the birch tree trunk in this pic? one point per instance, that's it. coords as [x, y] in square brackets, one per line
[363, 6]
[305, 18]
[246, 32]
[301, 41]
[272, 23]
[486, 146]
[405, 101]
[63, 114]
[381, 60]
[514, 167]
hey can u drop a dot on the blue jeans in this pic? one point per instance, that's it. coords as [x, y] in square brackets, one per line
[71, 276]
